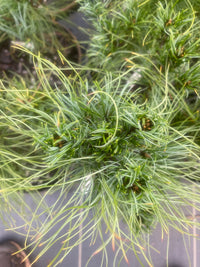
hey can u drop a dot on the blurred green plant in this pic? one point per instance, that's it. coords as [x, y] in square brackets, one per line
[34, 23]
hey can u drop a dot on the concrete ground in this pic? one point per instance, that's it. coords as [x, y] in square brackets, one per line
[180, 248]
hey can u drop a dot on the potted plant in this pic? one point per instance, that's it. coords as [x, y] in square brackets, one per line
[122, 132]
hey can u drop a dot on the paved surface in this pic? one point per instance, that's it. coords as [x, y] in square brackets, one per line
[176, 243]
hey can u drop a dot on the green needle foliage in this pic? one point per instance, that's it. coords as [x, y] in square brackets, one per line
[126, 161]
[165, 32]
[158, 41]
[33, 22]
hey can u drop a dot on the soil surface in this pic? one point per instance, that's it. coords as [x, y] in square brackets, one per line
[14, 61]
